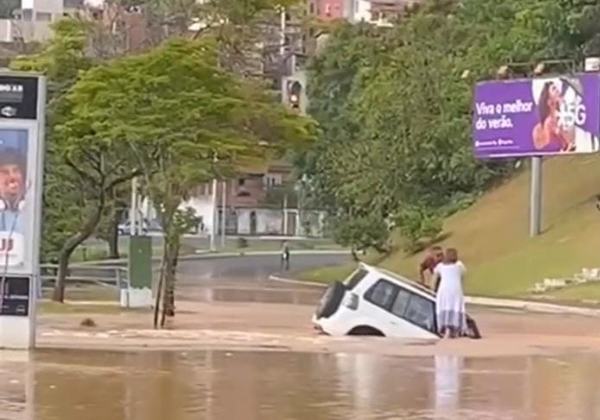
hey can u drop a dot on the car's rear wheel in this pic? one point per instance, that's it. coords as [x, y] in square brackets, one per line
[366, 330]
[331, 300]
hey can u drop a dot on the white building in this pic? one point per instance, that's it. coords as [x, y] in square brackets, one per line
[32, 21]
[377, 12]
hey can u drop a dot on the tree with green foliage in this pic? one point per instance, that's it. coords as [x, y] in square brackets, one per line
[185, 121]
[394, 106]
[83, 169]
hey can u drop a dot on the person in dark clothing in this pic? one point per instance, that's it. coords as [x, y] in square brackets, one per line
[436, 256]
[285, 257]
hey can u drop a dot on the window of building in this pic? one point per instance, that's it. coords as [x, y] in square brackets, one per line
[43, 17]
[272, 180]
[27, 15]
[241, 182]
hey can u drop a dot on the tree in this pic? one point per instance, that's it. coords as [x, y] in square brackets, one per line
[395, 111]
[82, 168]
[186, 120]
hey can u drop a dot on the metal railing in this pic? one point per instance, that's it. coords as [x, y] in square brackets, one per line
[111, 276]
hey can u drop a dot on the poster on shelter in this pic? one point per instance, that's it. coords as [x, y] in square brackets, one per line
[537, 117]
[16, 199]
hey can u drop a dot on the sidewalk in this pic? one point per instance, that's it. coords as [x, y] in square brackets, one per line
[522, 305]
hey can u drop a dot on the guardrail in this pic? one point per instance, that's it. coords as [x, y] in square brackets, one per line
[116, 276]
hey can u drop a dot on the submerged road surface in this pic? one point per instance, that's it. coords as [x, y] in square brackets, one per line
[246, 279]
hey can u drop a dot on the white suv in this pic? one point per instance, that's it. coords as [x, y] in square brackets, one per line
[373, 301]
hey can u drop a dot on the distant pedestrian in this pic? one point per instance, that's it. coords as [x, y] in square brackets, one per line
[285, 257]
[427, 267]
[450, 300]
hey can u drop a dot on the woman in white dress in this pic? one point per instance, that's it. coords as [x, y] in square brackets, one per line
[450, 300]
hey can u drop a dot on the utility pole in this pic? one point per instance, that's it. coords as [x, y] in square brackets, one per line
[282, 28]
[285, 215]
[134, 207]
[213, 227]
[223, 212]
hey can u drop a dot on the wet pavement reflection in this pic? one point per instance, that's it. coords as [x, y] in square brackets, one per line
[52, 385]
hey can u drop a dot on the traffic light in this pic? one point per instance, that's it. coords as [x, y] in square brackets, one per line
[294, 94]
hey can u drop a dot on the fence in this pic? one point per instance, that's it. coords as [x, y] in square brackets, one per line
[113, 278]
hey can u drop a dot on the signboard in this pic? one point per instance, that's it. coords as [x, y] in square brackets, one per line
[537, 117]
[19, 97]
[22, 102]
[15, 296]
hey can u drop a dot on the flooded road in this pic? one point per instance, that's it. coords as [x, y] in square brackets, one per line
[296, 386]
[243, 348]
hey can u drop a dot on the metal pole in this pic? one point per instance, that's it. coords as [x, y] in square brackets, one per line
[134, 203]
[223, 212]
[282, 35]
[535, 221]
[213, 228]
[285, 216]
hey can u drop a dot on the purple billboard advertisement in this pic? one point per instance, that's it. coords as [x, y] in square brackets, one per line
[537, 117]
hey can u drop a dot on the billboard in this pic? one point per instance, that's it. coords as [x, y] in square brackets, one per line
[537, 117]
[22, 100]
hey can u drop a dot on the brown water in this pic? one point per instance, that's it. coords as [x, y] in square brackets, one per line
[64, 385]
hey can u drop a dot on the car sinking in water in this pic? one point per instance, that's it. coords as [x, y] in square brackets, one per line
[373, 301]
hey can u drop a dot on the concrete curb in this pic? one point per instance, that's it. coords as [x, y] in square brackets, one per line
[201, 255]
[523, 305]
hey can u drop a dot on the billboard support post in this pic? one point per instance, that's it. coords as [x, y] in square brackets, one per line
[535, 222]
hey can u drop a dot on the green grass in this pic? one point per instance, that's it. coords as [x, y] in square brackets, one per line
[54, 308]
[327, 274]
[492, 236]
[585, 292]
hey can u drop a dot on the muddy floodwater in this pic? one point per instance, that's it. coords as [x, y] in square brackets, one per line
[220, 385]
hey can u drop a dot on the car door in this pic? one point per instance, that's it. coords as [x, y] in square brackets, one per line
[415, 313]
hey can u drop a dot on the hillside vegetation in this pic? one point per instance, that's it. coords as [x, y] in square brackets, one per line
[493, 235]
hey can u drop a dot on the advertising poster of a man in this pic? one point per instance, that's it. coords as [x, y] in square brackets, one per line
[15, 215]
[12, 188]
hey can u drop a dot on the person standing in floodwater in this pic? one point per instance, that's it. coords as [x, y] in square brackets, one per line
[428, 265]
[450, 301]
[285, 257]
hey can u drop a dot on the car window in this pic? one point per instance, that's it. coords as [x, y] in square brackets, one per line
[421, 311]
[355, 278]
[382, 294]
[401, 303]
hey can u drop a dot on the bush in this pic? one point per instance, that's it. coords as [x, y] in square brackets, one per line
[242, 243]
[416, 224]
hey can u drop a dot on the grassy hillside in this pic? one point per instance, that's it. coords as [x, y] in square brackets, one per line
[492, 236]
